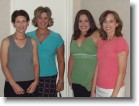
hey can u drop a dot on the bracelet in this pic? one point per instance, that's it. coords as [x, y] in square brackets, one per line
[60, 81]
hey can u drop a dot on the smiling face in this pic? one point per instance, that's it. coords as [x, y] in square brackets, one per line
[20, 24]
[43, 20]
[84, 25]
[110, 24]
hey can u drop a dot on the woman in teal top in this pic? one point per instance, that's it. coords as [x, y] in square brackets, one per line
[50, 45]
[83, 48]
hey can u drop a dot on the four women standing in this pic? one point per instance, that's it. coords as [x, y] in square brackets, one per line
[104, 73]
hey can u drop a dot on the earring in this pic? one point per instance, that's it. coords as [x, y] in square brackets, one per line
[49, 23]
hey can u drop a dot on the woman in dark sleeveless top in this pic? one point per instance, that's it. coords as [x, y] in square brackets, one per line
[19, 59]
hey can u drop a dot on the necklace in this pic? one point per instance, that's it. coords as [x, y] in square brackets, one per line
[41, 35]
[18, 38]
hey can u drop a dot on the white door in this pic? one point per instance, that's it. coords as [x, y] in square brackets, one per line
[62, 15]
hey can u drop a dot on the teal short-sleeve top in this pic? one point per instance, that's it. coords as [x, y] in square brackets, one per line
[47, 52]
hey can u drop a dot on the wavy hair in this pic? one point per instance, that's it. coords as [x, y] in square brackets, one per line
[38, 11]
[103, 17]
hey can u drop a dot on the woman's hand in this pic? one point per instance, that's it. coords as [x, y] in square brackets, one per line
[93, 94]
[69, 80]
[32, 87]
[18, 89]
[60, 86]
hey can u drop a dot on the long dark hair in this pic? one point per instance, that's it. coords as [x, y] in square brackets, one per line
[102, 18]
[77, 31]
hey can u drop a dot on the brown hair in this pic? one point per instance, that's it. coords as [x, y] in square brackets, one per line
[92, 24]
[38, 11]
[17, 13]
[102, 18]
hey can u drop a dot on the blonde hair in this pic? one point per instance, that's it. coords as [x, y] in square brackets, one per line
[38, 11]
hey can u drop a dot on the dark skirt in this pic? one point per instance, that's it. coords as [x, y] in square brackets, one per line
[47, 86]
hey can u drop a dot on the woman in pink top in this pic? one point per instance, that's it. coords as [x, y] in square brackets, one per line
[112, 57]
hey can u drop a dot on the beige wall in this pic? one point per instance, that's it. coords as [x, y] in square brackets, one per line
[96, 7]
[76, 7]
[4, 18]
[4, 31]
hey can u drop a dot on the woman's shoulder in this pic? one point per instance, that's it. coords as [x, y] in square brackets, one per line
[5, 41]
[34, 31]
[121, 39]
[73, 41]
[31, 33]
[121, 42]
[96, 36]
[96, 33]
[55, 35]
[33, 41]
